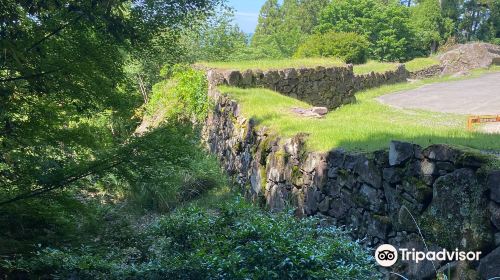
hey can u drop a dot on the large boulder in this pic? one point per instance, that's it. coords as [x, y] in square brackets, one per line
[469, 56]
[457, 216]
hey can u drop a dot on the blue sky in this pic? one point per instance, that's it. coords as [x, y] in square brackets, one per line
[247, 13]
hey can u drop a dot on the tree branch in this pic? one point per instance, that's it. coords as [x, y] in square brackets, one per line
[61, 184]
[29, 76]
[54, 32]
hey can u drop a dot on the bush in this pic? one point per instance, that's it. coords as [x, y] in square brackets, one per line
[181, 97]
[235, 241]
[350, 47]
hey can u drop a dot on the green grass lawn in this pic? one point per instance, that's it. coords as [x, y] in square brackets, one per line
[267, 64]
[366, 126]
[413, 65]
[421, 63]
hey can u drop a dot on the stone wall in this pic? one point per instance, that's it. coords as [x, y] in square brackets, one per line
[325, 87]
[428, 72]
[449, 192]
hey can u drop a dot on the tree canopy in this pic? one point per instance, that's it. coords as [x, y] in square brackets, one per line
[69, 86]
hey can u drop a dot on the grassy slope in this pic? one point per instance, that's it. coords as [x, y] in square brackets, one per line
[367, 125]
[416, 64]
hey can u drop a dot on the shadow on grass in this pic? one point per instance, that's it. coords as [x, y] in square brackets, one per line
[382, 141]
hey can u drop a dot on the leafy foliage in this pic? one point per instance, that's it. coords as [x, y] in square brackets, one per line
[215, 39]
[430, 26]
[350, 47]
[386, 25]
[182, 97]
[233, 241]
[157, 171]
[66, 96]
[284, 27]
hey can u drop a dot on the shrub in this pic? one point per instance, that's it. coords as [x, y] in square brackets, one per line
[350, 47]
[235, 241]
[183, 96]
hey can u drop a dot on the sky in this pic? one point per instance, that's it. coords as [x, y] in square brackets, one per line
[247, 13]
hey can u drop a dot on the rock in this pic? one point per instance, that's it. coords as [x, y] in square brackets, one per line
[400, 152]
[351, 160]
[339, 207]
[232, 78]
[428, 168]
[423, 269]
[255, 180]
[444, 167]
[381, 158]
[494, 209]
[274, 198]
[473, 159]
[320, 110]
[247, 78]
[458, 270]
[469, 56]
[370, 198]
[489, 266]
[368, 172]
[497, 239]
[333, 172]
[378, 226]
[456, 217]
[324, 205]
[311, 200]
[418, 190]
[442, 153]
[428, 72]
[494, 185]
[307, 113]
[290, 73]
[336, 158]
[392, 175]
[418, 152]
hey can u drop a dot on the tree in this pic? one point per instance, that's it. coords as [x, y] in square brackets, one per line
[284, 27]
[386, 25]
[65, 96]
[473, 19]
[268, 24]
[430, 26]
[216, 39]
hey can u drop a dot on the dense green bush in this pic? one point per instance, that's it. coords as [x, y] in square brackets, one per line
[350, 47]
[183, 96]
[234, 241]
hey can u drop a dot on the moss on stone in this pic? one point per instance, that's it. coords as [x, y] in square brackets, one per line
[263, 177]
[457, 216]
[383, 219]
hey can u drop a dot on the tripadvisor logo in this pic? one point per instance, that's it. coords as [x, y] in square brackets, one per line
[386, 255]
